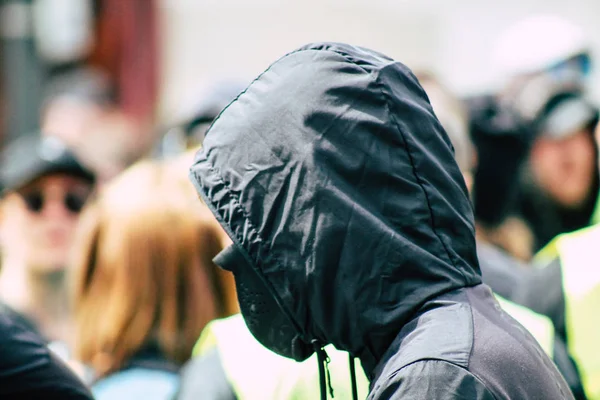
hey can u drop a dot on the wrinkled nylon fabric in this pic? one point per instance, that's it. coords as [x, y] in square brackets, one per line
[339, 189]
[340, 220]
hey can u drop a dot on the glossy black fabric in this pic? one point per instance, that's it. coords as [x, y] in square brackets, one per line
[28, 370]
[20, 318]
[333, 174]
[472, 348]
[334, 178]
[258, 305]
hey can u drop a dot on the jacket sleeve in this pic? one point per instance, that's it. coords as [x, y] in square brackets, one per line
[432, 380]
[29, 370]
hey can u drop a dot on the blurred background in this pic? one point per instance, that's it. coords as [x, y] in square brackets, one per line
[88, 88]
[205, 40]
[157, 58]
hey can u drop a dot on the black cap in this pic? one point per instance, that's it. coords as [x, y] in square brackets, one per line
[566, 114]
[30, 157]
[555, 110]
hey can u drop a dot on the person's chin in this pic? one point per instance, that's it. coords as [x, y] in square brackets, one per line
[574, 199]
[50, 265]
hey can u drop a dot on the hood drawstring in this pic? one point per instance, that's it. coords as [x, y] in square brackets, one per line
[353, 377]
[324, 377]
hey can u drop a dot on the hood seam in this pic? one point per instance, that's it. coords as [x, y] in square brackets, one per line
[418, 179]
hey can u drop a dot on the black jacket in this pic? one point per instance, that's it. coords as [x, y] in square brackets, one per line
[29, 371]
[339, 189]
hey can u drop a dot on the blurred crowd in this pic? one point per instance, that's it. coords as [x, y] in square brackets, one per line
[107, 251]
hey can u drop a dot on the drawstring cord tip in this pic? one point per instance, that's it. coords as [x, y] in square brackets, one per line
[324, 376]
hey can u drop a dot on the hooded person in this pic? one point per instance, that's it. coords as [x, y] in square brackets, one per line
[351, 225]
[224, 357]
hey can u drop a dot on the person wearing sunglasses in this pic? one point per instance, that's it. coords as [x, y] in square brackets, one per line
[44, 188]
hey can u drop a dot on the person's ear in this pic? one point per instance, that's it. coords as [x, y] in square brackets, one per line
[468, 177]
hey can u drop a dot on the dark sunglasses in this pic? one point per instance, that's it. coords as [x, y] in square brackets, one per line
[35, 201]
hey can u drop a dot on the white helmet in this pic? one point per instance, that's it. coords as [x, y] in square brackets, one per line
[537, 43]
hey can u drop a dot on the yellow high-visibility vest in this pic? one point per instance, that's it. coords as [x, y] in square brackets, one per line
[578, 253]
[254, 372]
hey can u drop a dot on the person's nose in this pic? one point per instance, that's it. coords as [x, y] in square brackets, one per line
[573, 148]
[54, 208]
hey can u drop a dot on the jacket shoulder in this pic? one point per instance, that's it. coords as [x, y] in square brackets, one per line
[442, 331]
[431, 379]
[28, 369]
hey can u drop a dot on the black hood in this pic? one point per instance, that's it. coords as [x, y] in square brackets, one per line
[333, 175]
